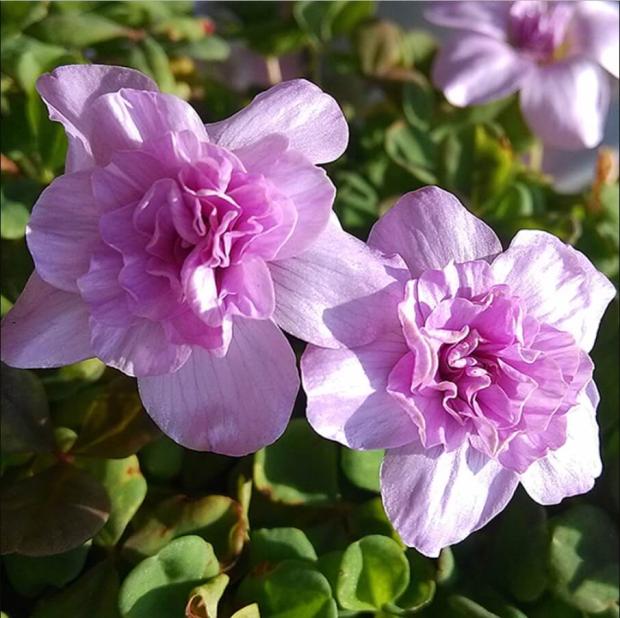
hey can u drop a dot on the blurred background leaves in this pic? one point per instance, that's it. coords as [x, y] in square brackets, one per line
[103, 517]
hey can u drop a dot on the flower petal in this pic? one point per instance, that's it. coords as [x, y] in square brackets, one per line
[311, 120]
[594, 32]
[128, 118]
[338, 292]
[45, 328]
[139, 349]
[308, 186]
[429, 228]
[435, 499]
[571, 469]
[565, 103]
[234, 404]
[69, 92]
[347, 397]
[490, 18]
[63, 230]
[558, 284]
[472, 69]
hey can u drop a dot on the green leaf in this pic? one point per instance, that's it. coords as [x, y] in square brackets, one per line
[421, 588]
[369, 518]
[208, 49]
[519, 549]
[158, 64]
[126, 488]
[24, 422]
[362, 467]
[218, 519]
[249, 611]
[162, 459]
[13, 217]
[357, 201]
[30, 576]
[94, 595]
[419, 102]
[72, 505]
[16, 16]
[293, 588]
[413, 150]
[583, 559]
[270, 546]
[300, 468]
[204, 599]
[374, 573]
[77, 30]
[160, 585]
[379, 46]
[115, 425]
[494, 166]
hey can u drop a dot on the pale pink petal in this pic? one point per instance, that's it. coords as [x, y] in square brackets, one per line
[63, 230]
[573, 468]
[436, 498]
[308, 186]
[128, 118]
[558, 284]
[45, 328]
[69, 92]
[139, 349]
[234, 404]
[311, 120]
[565, 103]
[472, 69]
[429, 228]
[250, 289]
[347, 398]
[489, 18]
[338, 292]
[594, 33]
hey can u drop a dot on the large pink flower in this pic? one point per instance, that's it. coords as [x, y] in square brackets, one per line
[172, 251]
[481, 379]
[555, 53]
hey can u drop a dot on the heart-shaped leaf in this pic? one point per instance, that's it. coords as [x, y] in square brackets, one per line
[374, 573]
[160, 585]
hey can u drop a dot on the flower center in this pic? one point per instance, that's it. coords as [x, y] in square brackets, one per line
[539, 28]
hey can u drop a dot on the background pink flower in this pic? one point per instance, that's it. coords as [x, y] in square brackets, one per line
[481, 378]
[172, 251]
[556, 54]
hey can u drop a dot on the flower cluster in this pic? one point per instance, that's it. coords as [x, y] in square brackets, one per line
[176, 252]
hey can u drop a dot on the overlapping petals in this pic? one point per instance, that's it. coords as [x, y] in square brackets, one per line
[481, 379]
[167, 247]
[557, 54]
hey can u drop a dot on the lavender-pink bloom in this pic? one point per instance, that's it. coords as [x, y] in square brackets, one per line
[481, 377]
[172, 251]
[555, 53]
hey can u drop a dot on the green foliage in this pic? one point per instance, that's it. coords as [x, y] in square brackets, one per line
[96, 505]
[300, 468]
[161, 584]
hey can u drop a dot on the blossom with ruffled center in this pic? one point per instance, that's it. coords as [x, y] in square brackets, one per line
[556, 54]
[480, 380]
[173, 251]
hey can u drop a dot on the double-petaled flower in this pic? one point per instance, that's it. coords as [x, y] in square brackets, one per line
[480, 378]
[173, 251]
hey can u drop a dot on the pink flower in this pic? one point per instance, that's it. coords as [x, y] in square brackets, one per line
[554, 53]
[481, 378]
[172, 251]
